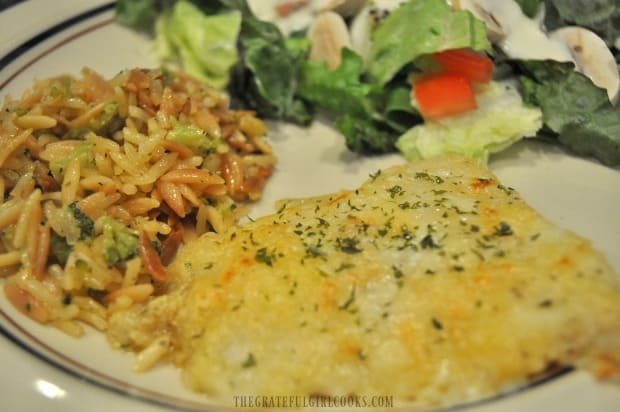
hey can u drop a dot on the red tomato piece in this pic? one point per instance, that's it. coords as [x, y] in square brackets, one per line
[477, 68]
[444, 94]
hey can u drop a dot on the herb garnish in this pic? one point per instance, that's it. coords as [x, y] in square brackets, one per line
[348, 245]
[249, 362]
[503, 229]
[395, 190]
[262, 256]
[349, 301]
[546, 303]
[344, 266]
[428, 243]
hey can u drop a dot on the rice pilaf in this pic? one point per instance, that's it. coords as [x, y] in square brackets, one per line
[103, 180]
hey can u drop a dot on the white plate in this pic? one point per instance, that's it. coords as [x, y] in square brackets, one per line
[42, 369]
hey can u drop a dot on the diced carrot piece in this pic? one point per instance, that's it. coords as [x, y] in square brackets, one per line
[150, 258]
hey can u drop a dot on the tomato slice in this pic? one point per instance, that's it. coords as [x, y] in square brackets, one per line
[477, 68]
[444, 94]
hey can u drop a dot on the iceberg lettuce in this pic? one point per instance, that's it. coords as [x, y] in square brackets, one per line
[500, 120]
[206, 45]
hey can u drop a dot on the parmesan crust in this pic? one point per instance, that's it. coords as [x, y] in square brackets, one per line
[432, 283]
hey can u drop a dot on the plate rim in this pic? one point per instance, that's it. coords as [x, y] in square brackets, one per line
[137, 393]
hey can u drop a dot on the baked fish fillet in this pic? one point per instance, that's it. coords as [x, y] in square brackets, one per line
[432, 283]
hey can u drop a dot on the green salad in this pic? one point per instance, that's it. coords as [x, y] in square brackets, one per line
[431, 80]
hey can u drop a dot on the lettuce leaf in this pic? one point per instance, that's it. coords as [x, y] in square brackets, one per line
[370, 117]
[143, 14]
[575, 111]
[600, 16]
[500, 120]
[206, 45]
[421, 27]
[209, 37]
[339, 90]
[273, 75]
[398, 112]
[266, 77]
[366, 135]
[139, 14]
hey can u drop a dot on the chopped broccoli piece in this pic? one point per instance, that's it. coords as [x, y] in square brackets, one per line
[86, 224]
[108, 122]
[119, 242]
[105, 124]
[83, 152]
[191, 136]
[60, 248]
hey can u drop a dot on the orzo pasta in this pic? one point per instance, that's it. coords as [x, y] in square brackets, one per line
[104, 179]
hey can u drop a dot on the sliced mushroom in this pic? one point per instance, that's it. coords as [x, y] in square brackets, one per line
[328, 35]
[345, 8]
[519, 36]
[592, 57]
[361, 28]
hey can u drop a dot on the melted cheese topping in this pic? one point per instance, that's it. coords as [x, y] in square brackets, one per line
[432, 283]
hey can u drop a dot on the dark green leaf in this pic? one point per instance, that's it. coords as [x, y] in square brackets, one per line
[530, 7]
[363, 135]
[266, 78]
[399, 113]
[600, 16]
[574, 109]
[140, 14]
[340, 90]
